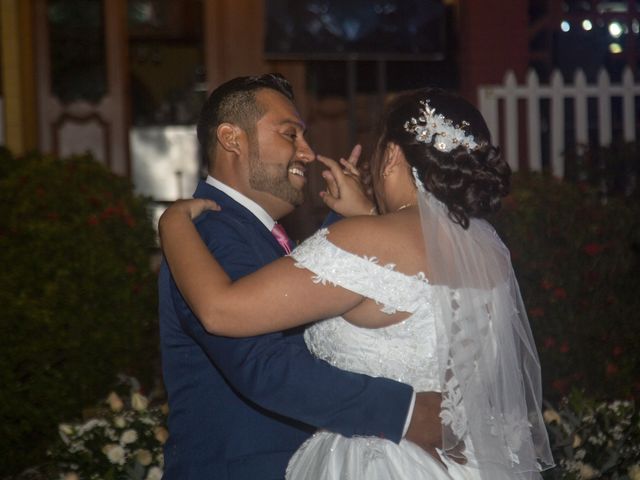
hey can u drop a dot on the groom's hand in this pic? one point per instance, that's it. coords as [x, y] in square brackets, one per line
[425, 428]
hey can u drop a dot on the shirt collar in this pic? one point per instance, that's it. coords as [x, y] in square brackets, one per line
[260, 213]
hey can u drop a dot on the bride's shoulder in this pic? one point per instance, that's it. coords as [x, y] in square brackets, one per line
[381, 235]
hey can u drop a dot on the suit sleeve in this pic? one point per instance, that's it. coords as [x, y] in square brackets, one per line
[278, 373]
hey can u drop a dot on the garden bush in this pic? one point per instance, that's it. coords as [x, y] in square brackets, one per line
[594, 439]
[576, 259]
[77, 295]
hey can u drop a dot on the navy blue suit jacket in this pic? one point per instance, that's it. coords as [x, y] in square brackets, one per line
[239, 408]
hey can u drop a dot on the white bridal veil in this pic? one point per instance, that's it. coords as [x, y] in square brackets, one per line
[489, 367]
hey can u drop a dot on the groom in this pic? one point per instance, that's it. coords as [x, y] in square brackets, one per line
[239, 408]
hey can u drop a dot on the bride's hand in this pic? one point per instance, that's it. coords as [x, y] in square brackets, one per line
[345, 193]
[188, 208]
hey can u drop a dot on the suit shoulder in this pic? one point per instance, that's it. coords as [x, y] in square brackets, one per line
[222, 223]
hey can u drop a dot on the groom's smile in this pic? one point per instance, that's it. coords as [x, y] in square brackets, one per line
[279, 152]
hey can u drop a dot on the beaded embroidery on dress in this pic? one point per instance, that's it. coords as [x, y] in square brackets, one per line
[405, 352]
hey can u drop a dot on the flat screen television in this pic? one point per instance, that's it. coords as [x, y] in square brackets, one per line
[363, 29]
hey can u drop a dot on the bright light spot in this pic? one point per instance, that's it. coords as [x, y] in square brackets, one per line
[615, 29]
[615, 48]
[635, 26]
[587, 25]
[564, 26]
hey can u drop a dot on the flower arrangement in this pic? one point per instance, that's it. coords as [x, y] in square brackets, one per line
[121, 440]
[593, 440]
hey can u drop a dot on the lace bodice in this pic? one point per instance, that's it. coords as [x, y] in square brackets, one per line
[405, 351]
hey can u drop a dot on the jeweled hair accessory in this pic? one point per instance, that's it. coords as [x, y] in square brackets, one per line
[432, 126]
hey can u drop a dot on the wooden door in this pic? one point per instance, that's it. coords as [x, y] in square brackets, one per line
[82, 76]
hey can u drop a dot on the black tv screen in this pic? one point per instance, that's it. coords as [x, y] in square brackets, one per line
[336, 29]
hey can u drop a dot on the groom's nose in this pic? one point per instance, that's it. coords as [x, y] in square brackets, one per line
[305, 153]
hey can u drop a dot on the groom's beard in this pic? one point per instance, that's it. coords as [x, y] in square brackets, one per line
[272, 178]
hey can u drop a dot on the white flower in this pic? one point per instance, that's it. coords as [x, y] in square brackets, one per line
[90, 425]
[71, 476]
[577, 441]
[634, 472]
[551, 416]
[161, 434]
[114, 401]
[65, 430]
[587, 471]
[155, 473]
[144, 457]
[139, 402]
[128, 436]
[148, 421]
[115, 453]
[119, 421]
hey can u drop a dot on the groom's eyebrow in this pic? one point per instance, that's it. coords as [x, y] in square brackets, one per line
[295, 123]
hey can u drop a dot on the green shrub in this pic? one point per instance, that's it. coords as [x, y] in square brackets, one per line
[576, 259]
[77, 295]
[591, 439]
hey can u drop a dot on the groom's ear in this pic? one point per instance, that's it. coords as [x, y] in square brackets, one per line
[228, 136]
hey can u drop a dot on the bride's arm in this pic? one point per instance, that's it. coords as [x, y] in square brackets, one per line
[276, 297]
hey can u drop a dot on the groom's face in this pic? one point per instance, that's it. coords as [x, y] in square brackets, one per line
[278, 151]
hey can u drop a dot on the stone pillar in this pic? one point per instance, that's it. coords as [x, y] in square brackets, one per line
[494, 38]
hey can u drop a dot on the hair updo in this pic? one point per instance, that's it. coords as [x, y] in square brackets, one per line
[470, 183]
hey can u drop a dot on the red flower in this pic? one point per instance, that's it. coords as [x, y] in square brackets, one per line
[549, 342]
[592, 249]
[564, 348]
[546, 284]
[536, 312]
[612, 369]
[617, 351]
[560, 293]
[129, 220]
[131, 269]
[92, 220]
[53, 216]
[109, 212]
[560, 386]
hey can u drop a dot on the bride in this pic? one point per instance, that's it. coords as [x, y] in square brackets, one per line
[423, 293]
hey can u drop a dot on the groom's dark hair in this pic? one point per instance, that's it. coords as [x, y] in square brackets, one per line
[235, 102]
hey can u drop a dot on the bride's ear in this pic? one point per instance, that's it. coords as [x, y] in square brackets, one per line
[393, 158]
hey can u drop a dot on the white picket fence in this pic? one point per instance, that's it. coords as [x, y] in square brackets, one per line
[500, 106]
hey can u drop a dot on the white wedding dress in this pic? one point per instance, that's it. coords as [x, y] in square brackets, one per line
[405, 352]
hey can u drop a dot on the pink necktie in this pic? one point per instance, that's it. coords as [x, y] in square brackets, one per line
[282, 237]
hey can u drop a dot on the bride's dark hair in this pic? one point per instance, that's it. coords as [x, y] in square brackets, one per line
[470, 183]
